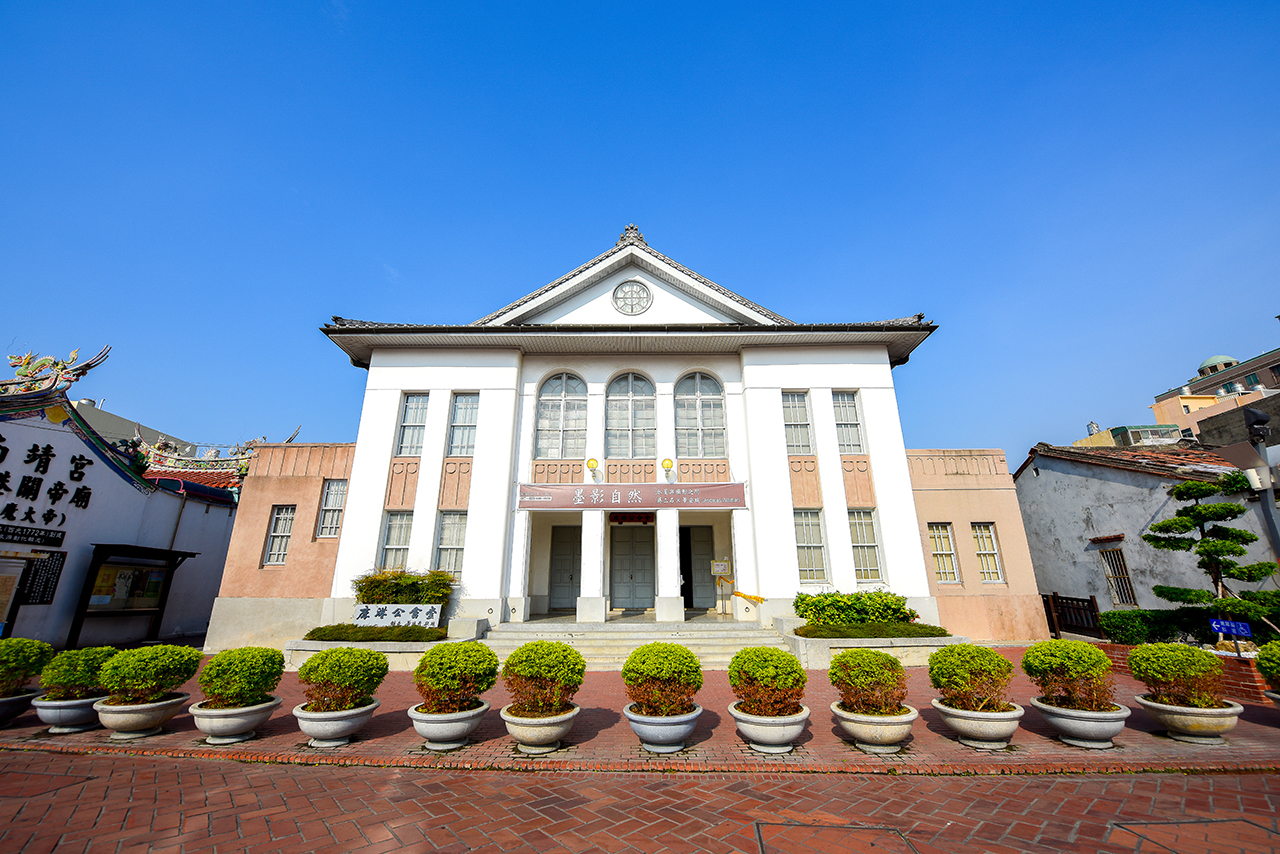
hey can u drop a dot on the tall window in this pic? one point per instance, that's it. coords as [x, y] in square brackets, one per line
[278, 533]
[332, 500]
[413, 420]
[795, 420]
[395, 539]
[629, 419]
[562, 419]
[453, 533]
[812, 554]
[462, 425]
[1118, 577]
[848, 429]
[866, 555]
[699, 417]
[944, 552]
[984, 540]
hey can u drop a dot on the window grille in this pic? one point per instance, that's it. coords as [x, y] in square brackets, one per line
[413, 420]
[279, 532]
[332, 500]
[795, 420]
[866, 554]
[811, 552]
[562, 419]
[395, 539]
[453, 534]
[1118, 577]
[984, 541]
[699, 417]
[629, 419]
[848, 428]
[462, 427]
[944, 552]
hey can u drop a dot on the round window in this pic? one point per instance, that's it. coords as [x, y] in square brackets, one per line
[632, 298]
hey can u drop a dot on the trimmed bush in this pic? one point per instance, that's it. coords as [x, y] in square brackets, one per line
[1071, 674]
[542, 677]
[1178, 675]
[21, 660]
[1268, 662]
[450, 677]
[1135, 626]
[74, 674]
[136, 677]
[873, 630]
[767, 681]
[661, 679]
[342, 678]
[870, 682]
[876, 606]
[395, 586]
[972, 678]
[236, 678]
[349, 632]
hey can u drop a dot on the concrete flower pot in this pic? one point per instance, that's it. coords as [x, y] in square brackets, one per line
[233, 725]
[662, 734]
[766, 734]
[447, 731]
[141, 721]
[876, 733]
[1273, 697]
[333, 729]
[983, 730]
[11, 707]
[1081, 728]
[1194, 726]
[67, 716]
[536, 736]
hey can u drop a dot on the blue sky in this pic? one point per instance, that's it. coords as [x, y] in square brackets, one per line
[1085, 197]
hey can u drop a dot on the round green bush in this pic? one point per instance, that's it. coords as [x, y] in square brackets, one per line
[972, 678]
[21, 660]
[868, 606]
[450, 677]
[136, 677]
[542, 677]
[342, 678]
[870, 682]
[1178, 675]
[661, 679]
[75, 674]
[236, 678]
[1070, 674]
[1268, 662]
[767, 681]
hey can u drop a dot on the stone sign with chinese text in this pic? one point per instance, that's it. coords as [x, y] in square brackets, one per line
[397, 615]
[647, 496]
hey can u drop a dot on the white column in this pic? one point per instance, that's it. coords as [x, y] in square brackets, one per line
[835, 508]
[904, 568]
[595, 431]
[664, 411]
[591, 599]
[366, 492]
[489, 506]
[518, 579]
[669, 605]
[772, 512]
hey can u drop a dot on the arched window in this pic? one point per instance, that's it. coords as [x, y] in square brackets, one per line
[629, 419]
[699, 417]
[562, 419]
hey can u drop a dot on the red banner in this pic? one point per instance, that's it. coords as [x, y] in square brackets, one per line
[633, 496]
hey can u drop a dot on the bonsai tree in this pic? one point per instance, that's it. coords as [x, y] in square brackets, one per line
[75, 674]
[971, 678]
[21, 660]
[768, 682]
[870, 682]
[450, 677]
[1071, 675]
[661, 679]
[342, 678]
[237, 678]
[1178, 675]
[542, 677]
[1268, 663]
[137, 677]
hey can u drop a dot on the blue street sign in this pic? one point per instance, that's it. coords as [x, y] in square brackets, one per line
[1231, 627]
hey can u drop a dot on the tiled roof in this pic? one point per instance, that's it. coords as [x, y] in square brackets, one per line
[1185, 460]
[217, 479]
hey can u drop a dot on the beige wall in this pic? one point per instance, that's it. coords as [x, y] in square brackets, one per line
[962, 487]
[1202, 406]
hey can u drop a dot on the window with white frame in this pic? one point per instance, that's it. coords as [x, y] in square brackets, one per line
[1118, 577]
[562, 419]
[944, 552]
[395, 539]
[413, 420]
[795, 420]
[453, 533]
[809, 548]
[699, 417]
[984, 541]
[848, 427]
[462, 425]
[332, 499]
[629, 419]
[866, 554]
[278, 533]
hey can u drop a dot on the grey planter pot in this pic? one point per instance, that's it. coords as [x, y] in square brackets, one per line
[1273, 697]
[333, 729]
[67, 716]
[132, 722]
[447, 731]
[770, 734]
[662, 734]
[876, 733]
[11, 707]
[1079, 728]
[983, 730]
[536, 736]
[1194, 726]
[232, 726]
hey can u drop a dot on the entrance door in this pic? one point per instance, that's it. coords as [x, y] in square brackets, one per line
[696, 553]
[631, 562]
[566, 566]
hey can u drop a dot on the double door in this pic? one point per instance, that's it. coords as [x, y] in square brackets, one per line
[631, 567]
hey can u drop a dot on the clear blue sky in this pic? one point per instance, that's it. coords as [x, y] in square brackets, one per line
[1084, 196]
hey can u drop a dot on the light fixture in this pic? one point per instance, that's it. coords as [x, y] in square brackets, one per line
[593, 466]
[667, 465]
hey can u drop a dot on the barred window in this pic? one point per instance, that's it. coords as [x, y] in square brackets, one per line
[332, 500]
[395, 539]
[562, 419]
[848, 428]
[413, 419]
[984, 541]
[809, 547]
[866, 554]
[1118, 577]
[278, 534]
[462, 426]
[944, 552]
[629, 419]
[795, 420]
[453, 533]
[699, 417]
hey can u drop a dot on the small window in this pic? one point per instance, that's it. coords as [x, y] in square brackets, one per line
[812, 554]
[1118, 577]
[395, 539]
[562, 419]
[462, 426]
[332, 500]
[866, 555]
[629, 419]
[1186, 410]
[795, 420]
[413, 420]
[848, 428]
[699, 417]
[278, 534]
[984, 541]
[944, 553]
[1228, 388]
[453, 533]
[1251, 381]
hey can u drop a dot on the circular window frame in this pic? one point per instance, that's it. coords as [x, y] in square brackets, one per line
[623, 307]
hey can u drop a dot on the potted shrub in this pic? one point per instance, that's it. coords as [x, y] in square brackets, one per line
[871, 711]
[1185, 691]
[973, 681]
[769, 684]
[542, 677]
[21, 660]
[72, 683]
[450, 677]
[340, 684]
[237, 685]
[141, 685]
[1076, 691]
[1268, 663]
[661, 679]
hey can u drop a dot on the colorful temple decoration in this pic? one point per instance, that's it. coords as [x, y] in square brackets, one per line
[43, 375]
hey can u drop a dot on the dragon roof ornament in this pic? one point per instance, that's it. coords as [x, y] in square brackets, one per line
[38, 375]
